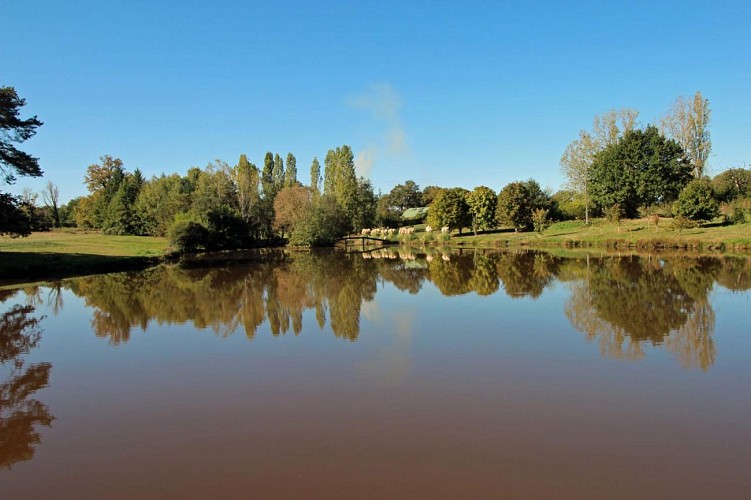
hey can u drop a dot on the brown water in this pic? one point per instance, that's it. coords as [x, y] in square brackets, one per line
[384, 375]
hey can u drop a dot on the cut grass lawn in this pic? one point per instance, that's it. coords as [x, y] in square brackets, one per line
[636, 233]
[59, 254]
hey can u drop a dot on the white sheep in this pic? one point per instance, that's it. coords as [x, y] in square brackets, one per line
[428, 229]
[445, 229]
[365, 232]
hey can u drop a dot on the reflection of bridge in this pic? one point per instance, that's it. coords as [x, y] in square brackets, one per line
[363, 239]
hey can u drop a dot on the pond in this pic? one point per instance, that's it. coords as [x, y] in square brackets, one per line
[390, 373]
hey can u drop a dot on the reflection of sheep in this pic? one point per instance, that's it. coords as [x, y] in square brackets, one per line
[429, 258]
[445, 229]
[446, 257]
[428, 229]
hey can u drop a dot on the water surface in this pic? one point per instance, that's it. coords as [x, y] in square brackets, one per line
[470, 374]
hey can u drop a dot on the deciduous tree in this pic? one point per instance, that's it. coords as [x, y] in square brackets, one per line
[51, 197]
[518, 200]
[643, 168]
[315, 175]
[290, 175]
[291, 206]
[404, 196]
[450, 208]
[687, 123]
[579, 154]
[482, 203]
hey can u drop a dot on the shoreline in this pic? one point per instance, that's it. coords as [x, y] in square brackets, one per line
[57, 255]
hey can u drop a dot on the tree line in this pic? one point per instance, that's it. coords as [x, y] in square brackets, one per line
[615, 169]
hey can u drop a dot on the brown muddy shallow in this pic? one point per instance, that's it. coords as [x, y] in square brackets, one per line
[386, 375]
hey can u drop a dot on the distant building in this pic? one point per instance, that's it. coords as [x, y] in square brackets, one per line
[415, 214]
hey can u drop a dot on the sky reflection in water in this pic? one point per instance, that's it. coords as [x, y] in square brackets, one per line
[466, 354]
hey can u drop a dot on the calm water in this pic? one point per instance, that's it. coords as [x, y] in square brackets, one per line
[385, 375]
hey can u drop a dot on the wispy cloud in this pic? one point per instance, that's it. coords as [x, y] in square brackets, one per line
[383, 103]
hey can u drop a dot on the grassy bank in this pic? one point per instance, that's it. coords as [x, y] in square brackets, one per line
[60, 254]
[634, 234]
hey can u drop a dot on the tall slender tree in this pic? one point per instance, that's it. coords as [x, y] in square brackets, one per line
[247, 180]
[290, 175]
[687, 123]
[278, 172]
[579, 154]
[315, 175]
[51, 198]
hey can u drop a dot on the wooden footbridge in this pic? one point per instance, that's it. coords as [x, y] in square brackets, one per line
[364, 240]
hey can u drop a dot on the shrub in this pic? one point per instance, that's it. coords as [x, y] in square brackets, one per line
[680, 223]
[540, 219]
[737, 211]
[664, 210]
[322, 225]
[569, 205]
[697, 202]
[226, 229]
[614, 213]
[188, 236]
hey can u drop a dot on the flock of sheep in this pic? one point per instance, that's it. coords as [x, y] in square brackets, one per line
[383, 231]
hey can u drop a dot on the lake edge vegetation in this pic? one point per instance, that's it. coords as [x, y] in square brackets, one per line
[616, 171]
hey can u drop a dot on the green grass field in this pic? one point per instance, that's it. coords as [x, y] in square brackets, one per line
[59, 254]
[65, 253]
[635, 233]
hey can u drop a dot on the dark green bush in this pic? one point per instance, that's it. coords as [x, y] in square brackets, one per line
[188, 236]
[697, 202]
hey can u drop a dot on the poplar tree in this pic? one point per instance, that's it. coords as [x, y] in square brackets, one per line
[687, 123]
[246, 179]
[315, 175]
[290, 175]
[577, 159]
[278, 172]
[267, 176]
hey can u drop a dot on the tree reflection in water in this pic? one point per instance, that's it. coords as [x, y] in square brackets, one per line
[19, 413]
[623, 303]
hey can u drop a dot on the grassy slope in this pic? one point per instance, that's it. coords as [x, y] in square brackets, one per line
[600, 233]
[58, 254]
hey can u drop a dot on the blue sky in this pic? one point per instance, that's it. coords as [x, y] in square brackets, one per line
[445, 93]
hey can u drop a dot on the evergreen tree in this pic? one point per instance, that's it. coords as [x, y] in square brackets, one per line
[13, 129]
